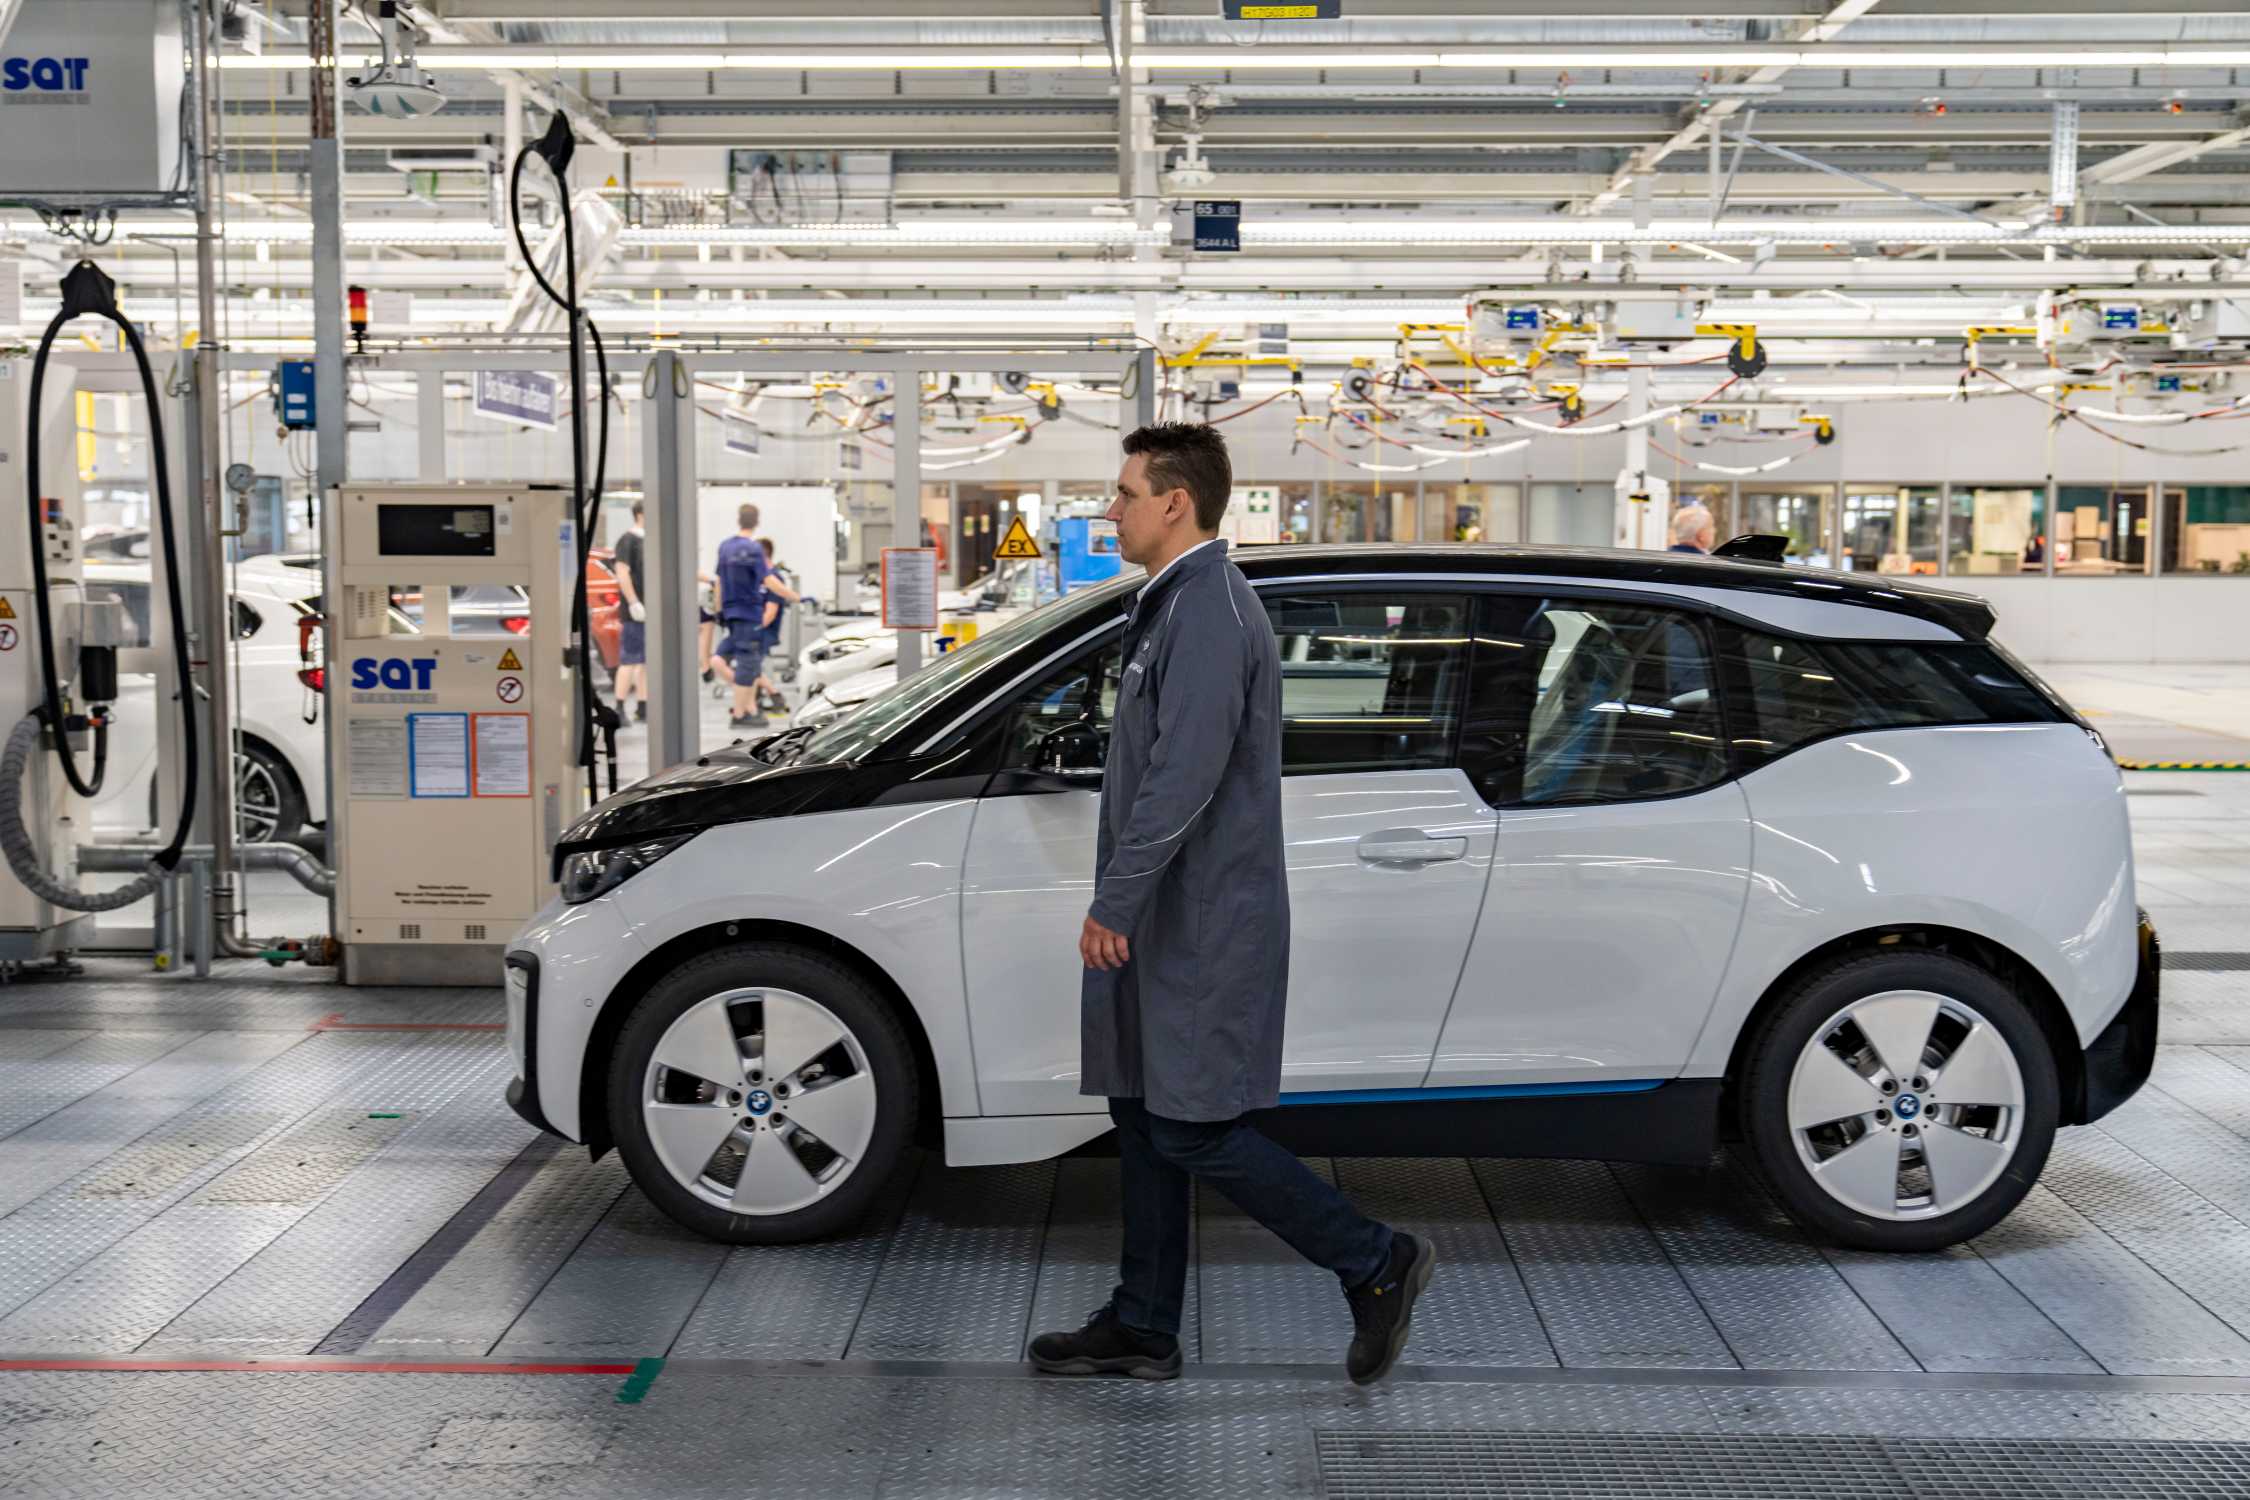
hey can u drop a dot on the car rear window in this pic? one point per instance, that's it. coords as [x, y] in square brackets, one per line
[1793, 692]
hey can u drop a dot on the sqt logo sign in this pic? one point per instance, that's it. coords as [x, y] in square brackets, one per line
[44, 80]
[395, 672]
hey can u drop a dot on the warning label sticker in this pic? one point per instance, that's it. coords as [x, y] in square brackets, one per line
[1018, 542]
[509, 661]
[7, 610]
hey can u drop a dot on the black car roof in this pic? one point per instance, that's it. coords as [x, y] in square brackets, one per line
[1965, 614]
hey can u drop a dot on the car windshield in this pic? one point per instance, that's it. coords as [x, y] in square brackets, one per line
[864, 728]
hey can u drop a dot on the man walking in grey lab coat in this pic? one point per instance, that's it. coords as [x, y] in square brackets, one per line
[1187, 943]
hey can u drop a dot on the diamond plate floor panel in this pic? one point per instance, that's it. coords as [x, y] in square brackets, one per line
[2176, 1232]
[1607, 1293]
[1476, 1311]
[33, 1088]
[624, 1293]
[117, 1299]
[1078, 1261]
[469, 1303]
[962, 1268]
[81, 1218]
[1261, 1302]
[2117, 1308]
[81, 1135]
[288, 1297]
[1773, 1296]
[793, 1301]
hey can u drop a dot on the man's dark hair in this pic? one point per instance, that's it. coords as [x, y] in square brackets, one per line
[636, 510]
[1189, 456]
[746, 519]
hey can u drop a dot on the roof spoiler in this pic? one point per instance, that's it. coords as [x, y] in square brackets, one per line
[1754, 546]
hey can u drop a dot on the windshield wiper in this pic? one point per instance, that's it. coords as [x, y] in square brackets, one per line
[769, 750]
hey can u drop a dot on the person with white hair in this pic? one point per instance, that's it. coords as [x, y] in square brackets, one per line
[1693, 530]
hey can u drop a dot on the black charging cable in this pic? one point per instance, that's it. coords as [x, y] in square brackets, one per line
[87, 292]
[555, 148]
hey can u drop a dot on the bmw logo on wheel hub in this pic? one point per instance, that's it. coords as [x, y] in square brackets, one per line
[1905, 1106]
[758, 1102]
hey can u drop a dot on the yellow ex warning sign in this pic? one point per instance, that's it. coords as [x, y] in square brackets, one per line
[509, 662]
[7, 610]
[1018, 542]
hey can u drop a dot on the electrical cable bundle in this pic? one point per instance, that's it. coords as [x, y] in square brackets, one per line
[594, 715]
[87, 292]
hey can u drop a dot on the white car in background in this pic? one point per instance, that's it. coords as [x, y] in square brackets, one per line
[280, 777]
[860, 646]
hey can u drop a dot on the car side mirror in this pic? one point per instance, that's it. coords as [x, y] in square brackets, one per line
[1076, 750]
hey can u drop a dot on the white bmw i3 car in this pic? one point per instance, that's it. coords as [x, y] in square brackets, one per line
[1591, 854]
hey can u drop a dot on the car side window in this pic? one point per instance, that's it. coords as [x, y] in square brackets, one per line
[1082, 691]
[1796, 691]
[1369, 681]
[1587, 700]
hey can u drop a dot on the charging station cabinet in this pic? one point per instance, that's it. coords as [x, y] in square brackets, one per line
[450, 770]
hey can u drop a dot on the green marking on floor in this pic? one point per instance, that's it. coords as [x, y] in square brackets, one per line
[636, 1384]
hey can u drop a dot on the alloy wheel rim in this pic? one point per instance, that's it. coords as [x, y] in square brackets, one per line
[759, 1101]
[1906, 1105]
[257, 801]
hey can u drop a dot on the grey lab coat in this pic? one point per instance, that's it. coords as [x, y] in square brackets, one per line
[1188, 864]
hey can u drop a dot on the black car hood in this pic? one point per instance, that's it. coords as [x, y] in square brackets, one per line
[726, 786]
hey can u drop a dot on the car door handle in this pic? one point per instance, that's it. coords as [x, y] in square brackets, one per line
[1409, 846]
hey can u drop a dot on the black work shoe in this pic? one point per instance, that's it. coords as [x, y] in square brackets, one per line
[1383, 1309]
[746, 721]
[1106, 1346]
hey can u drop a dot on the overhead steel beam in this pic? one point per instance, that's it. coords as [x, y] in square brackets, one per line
[1822, 29]
[2159, 156]
[588, 117]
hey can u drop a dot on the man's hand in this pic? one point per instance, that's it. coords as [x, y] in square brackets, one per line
[1101, 948]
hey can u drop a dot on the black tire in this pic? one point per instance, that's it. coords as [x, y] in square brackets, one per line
[846, 995]
[1763, 1096]
[257, 759]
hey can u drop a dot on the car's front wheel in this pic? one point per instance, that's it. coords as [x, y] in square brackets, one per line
[763, 1094]
[1901, 1101]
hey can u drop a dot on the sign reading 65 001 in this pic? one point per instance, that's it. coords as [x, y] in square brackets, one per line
[46, 75]
[398, 673]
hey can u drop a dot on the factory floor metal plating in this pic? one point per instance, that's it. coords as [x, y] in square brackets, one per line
[268, 1236]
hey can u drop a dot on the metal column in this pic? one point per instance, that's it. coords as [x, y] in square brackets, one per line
[429, 426]
[670, 516]
[331, 409]
[906, 488]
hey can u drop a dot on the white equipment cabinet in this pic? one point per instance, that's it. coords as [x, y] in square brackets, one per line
[30, 928]
[450, 767]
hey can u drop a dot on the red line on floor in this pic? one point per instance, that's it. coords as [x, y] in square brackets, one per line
[315, 1366]
[334, 1021]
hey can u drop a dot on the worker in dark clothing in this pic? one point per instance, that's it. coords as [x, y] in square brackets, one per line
[1186, 946]
[745, 580]
[777, 610]
[632, 631]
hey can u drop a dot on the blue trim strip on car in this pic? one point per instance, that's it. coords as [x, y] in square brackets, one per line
[1480, 1091]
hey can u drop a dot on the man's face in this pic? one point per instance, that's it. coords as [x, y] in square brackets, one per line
[1143, 519]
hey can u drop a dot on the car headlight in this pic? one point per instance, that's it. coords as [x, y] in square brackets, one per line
[850, 645]
[593, 872]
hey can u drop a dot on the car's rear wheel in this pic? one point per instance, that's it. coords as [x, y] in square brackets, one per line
[763, 1094]
[1901, 1101]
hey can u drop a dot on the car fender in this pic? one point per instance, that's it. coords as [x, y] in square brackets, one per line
[2016, 833]
[883, 880]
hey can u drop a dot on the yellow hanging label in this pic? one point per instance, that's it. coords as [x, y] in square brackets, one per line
[508, 661]
[1018, 542]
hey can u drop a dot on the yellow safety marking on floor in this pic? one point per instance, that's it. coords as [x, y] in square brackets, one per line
[2183, 765]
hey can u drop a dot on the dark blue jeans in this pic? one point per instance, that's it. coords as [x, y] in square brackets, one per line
[1159, 1155]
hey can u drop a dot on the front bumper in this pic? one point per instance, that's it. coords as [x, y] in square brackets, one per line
[2118, 1061]
[523, 1040]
